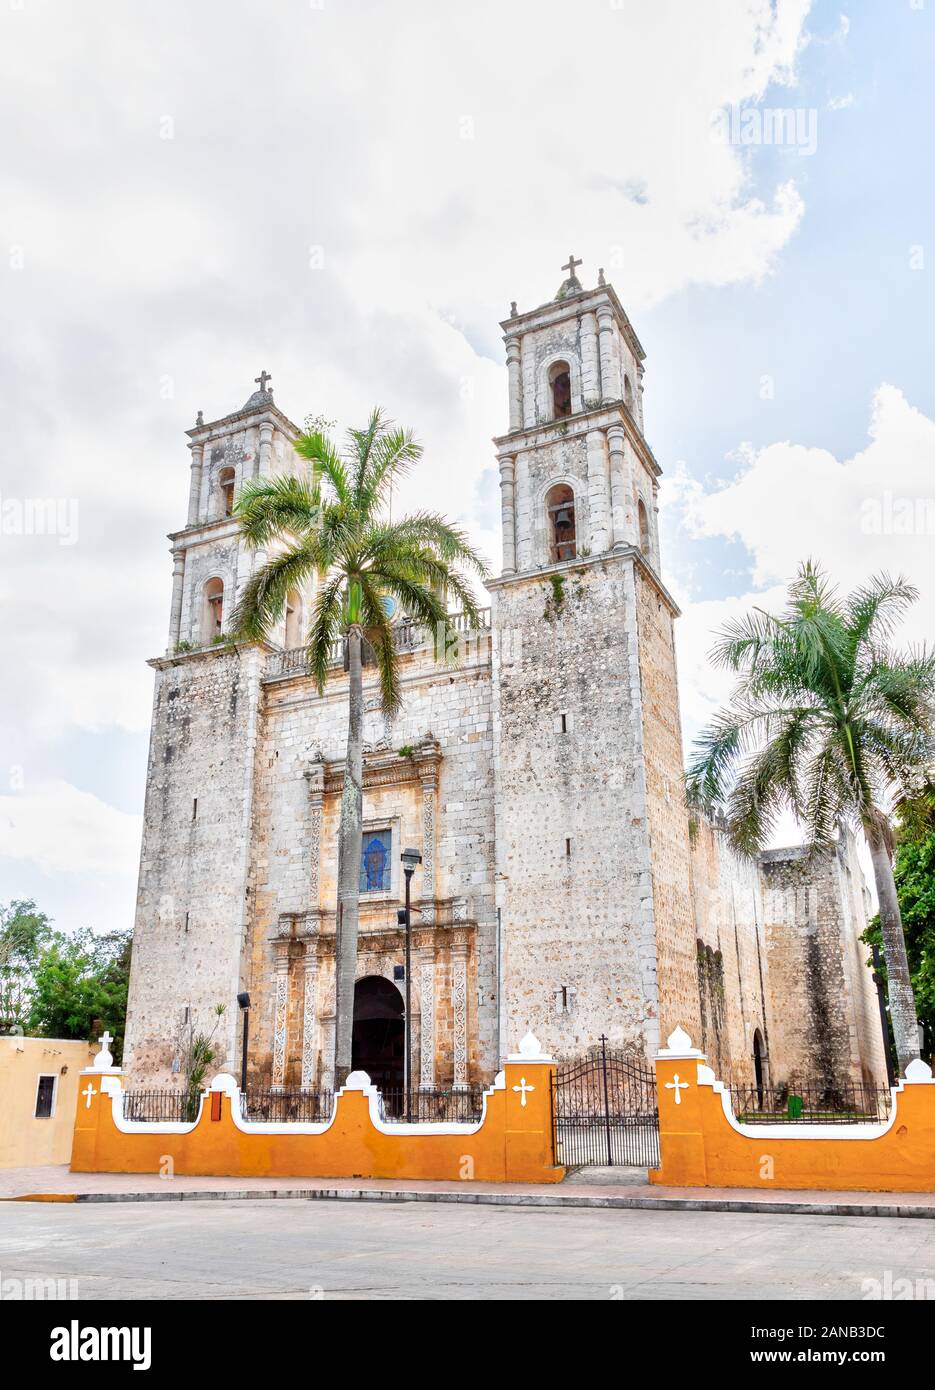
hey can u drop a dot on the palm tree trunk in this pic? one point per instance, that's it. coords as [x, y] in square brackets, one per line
[899, 983]
[349, 849]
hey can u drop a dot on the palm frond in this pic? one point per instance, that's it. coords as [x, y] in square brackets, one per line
[326, 627]
[379, 632]
[426, 531]
[263, 600]
[359, 447]
[267, 507]
[875, 608]
[326, 462]
[391, 455]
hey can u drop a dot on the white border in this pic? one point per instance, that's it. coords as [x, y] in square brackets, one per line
[357, 1081]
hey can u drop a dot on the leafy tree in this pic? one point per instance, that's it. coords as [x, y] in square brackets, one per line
[830, 722]
[79, 986]
[23, 932]
[335, 524]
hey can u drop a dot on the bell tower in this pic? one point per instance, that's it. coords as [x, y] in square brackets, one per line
[592, 830]
[210, 561]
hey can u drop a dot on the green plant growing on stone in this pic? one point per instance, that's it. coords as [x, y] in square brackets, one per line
[555, 601]
[335, 523]
[830, 722]
[406, 751]
[196, 1052]
[184, 646]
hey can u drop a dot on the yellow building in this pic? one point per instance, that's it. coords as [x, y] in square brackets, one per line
[38, 1092]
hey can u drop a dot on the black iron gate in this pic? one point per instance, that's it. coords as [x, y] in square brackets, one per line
[604, 1110]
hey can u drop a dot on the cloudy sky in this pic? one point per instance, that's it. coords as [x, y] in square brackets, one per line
[349, 194]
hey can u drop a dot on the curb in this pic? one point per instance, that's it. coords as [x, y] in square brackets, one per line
[501, 1199]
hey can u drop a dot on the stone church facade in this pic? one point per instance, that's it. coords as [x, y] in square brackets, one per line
[562, 888]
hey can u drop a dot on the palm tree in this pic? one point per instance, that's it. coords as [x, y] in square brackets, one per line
[334, 523]
[828, 721]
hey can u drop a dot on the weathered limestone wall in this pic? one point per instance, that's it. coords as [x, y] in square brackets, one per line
[666, 817]
[572, 852]
[823, 1027]
[731, 951]
[863, 1000]
[191, 901]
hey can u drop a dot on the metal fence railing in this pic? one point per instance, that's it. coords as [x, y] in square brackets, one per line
[443, 1106]
[154, 1105]
[286, 1106]
[848, 1104]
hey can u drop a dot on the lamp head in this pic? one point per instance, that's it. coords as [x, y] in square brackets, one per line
[243, 1000]
[410, 858]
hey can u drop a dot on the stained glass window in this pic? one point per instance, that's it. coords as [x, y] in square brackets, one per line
[375, 866]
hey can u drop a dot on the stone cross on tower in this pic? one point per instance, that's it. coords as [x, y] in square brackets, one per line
[262, 379]
[570, 267]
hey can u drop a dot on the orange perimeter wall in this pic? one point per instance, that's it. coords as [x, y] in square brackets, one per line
[513, 1144]
[701, 1148]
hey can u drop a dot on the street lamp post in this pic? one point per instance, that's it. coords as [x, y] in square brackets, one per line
[244, 1001]
[410, 858]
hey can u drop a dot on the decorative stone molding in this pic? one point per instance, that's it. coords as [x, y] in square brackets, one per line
[459, 1009]
[310, 1014]
[387, 769]
[427, 1019]
[315, 774]
[281, 944]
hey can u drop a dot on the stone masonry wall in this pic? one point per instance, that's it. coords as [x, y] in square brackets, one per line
[190, 914]
[731, 950]
[572, 852]
[666, 825]
[822, 1028]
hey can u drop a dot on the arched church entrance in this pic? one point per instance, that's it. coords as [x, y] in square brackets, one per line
[379, 1032]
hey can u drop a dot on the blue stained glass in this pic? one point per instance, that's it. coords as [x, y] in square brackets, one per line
[375, 862]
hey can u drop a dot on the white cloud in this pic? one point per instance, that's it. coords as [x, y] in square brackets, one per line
[167, 170]
[444, 165]
[59, 829]
[857, 517]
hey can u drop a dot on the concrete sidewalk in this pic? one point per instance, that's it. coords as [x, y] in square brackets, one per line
[615, 1188]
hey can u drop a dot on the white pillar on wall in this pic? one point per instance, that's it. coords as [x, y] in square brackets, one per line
[590, 363]
[611, 389]
[265, 452]
[194, 488]
[507, 515]
[178, 585]
[523, 513]
[529, 383]
[598, 492]
[621, 490]
[515, 378]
